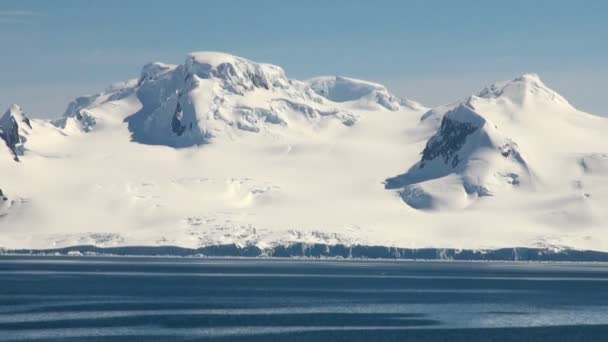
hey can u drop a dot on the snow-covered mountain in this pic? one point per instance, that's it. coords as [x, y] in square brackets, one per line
[211, 96]
[18, 133]
[221, 149]
[512, 136]
[467, 158]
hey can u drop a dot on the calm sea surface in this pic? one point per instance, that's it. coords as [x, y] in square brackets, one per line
[173, 299]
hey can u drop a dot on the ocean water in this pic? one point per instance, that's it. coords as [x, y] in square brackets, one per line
[194, 299]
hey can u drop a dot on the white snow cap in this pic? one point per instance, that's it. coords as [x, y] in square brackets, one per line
[342, 89]
[530, 77]
[346, 89]
[236, 70]
[522, 89]
[154, 69]
[466, 114]
[14, 112]
[214, 58]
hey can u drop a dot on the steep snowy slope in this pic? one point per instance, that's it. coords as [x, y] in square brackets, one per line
[517, 135]
[468, 152]
[221, 149]
[211, 96]
[19, 133]
[78, 117]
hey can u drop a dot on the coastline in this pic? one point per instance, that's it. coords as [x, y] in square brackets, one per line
[325, 251]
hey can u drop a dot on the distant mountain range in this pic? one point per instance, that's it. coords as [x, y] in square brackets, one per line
[223, 150]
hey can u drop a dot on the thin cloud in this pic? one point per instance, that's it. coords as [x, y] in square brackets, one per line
[19, 17]
[20, 14]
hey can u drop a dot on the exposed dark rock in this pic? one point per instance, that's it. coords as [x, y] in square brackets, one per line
[26, 120]
[9, 133]
[258, 81]
[447, 142]
[176, 122]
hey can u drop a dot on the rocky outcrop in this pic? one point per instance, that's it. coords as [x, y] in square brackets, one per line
[10, 129]
[467, 149]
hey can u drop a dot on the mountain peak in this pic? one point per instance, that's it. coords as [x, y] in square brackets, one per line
[153, 70]
[467, 149]
[14, 108]
[529, 77]
[9, 128]
[237, 75]
[214, 58]
[523, 94]
[346, 89]
[16, 112]
[214, 93]
[13, 116]
[521, 90]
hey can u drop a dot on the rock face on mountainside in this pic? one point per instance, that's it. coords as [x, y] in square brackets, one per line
[467, 149]
[77, 114]
[12, 124]
[484, 145]
[190, 104]
[215, 94]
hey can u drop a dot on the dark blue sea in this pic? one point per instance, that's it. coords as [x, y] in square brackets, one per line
[196, 299]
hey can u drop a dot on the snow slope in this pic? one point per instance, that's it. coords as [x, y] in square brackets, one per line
[19, 133]
[515, 140]
[467, 158]
[362, 93]
[221, 149]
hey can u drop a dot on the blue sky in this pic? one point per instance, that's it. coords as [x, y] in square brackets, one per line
[432, 51]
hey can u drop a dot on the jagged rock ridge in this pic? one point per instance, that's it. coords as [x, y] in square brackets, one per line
[10, 131]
